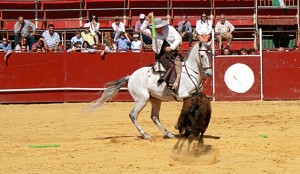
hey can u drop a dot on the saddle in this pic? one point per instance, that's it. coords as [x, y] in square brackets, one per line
[166, 67]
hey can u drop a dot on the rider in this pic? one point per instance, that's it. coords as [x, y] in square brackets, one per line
[164, 45]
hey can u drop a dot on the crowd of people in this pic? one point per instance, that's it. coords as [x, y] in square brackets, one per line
[90, 39]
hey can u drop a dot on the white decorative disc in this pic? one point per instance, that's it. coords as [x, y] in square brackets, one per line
[239, 78]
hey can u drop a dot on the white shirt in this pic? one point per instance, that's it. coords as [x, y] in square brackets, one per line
[120, 28]
[224, 28]
[136, 46]
[170, 35]
[204, 27]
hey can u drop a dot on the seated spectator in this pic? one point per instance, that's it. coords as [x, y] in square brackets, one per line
[224, 31]
[41, 43]
[22, 42]
[147, 40]
[51, 37]
[185, 30]
[109, 46]
[89, 36]
[243, 51]
[5, 46]
[22, 30]
[122, 42]
[24, 48]
[77, 47]
[54, 49]
[280, 49]
[95, 49]
[85, 47]
[76, 38]
[39, 49]
[204, 29]
[296, 48]
[251, 51]
[69, 46]
[117, 27]
[136, 43]
[95, 25]
[226, 51]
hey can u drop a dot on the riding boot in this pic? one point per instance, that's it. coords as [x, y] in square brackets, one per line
[178, 70]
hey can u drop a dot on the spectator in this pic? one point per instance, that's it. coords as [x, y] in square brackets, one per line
[147, 40]
[109, 46]
[95, 25]
[76, 38]
[224, 31]
[251, 51]
[136, 44]
[55, 49]
[89, 36]
[204, 28]
[51, 37]
[94, 49]
[77, 46]
[21, 42]
[122, 42]
[22, 29]
[185, 29]
[117, 27]
[280, 49]
[39, 49]
[226, 51]
[296, 48]
[85, 47]
[69, 46]
[41, 43]
[5, 46]
[243, 51]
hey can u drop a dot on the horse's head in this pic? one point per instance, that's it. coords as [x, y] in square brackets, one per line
[201, 55]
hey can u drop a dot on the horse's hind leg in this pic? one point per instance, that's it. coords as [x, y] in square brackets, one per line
[155, 117]
[133, 116]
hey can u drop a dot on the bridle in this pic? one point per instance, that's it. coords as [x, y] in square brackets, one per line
[196, 72]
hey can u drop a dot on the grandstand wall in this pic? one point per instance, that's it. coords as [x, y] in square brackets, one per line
[76, 77]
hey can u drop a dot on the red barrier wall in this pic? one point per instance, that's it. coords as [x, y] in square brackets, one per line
[56, 77]
[223, 92]
[281, 75]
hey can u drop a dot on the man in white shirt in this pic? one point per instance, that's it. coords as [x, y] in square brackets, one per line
[165, 46]
[204, 28]
[224, 31]
[117, 27]
[51, 37]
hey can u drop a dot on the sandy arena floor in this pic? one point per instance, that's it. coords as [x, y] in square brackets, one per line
[105, 141]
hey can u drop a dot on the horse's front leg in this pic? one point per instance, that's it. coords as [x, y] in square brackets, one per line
[156, 104]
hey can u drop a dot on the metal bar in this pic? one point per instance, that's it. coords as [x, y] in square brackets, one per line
[55, 89]
[189, 8]
[231, 8]
[213, 62]
[298, 21]
[36, 13]
[261, 65]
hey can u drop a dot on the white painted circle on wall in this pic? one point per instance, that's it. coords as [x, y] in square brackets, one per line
[239, 78]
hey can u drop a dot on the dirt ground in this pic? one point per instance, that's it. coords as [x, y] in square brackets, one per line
[243, 137]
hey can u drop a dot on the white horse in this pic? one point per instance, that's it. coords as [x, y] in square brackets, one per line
[143, 87]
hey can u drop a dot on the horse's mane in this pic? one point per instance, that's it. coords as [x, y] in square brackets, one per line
[194, 50]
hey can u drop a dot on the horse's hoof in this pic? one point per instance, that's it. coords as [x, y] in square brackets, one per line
[169, 135]
[146, 136]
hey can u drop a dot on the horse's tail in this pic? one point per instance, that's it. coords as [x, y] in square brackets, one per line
[107, 95]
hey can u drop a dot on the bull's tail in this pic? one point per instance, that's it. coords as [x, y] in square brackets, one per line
[107, 95]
